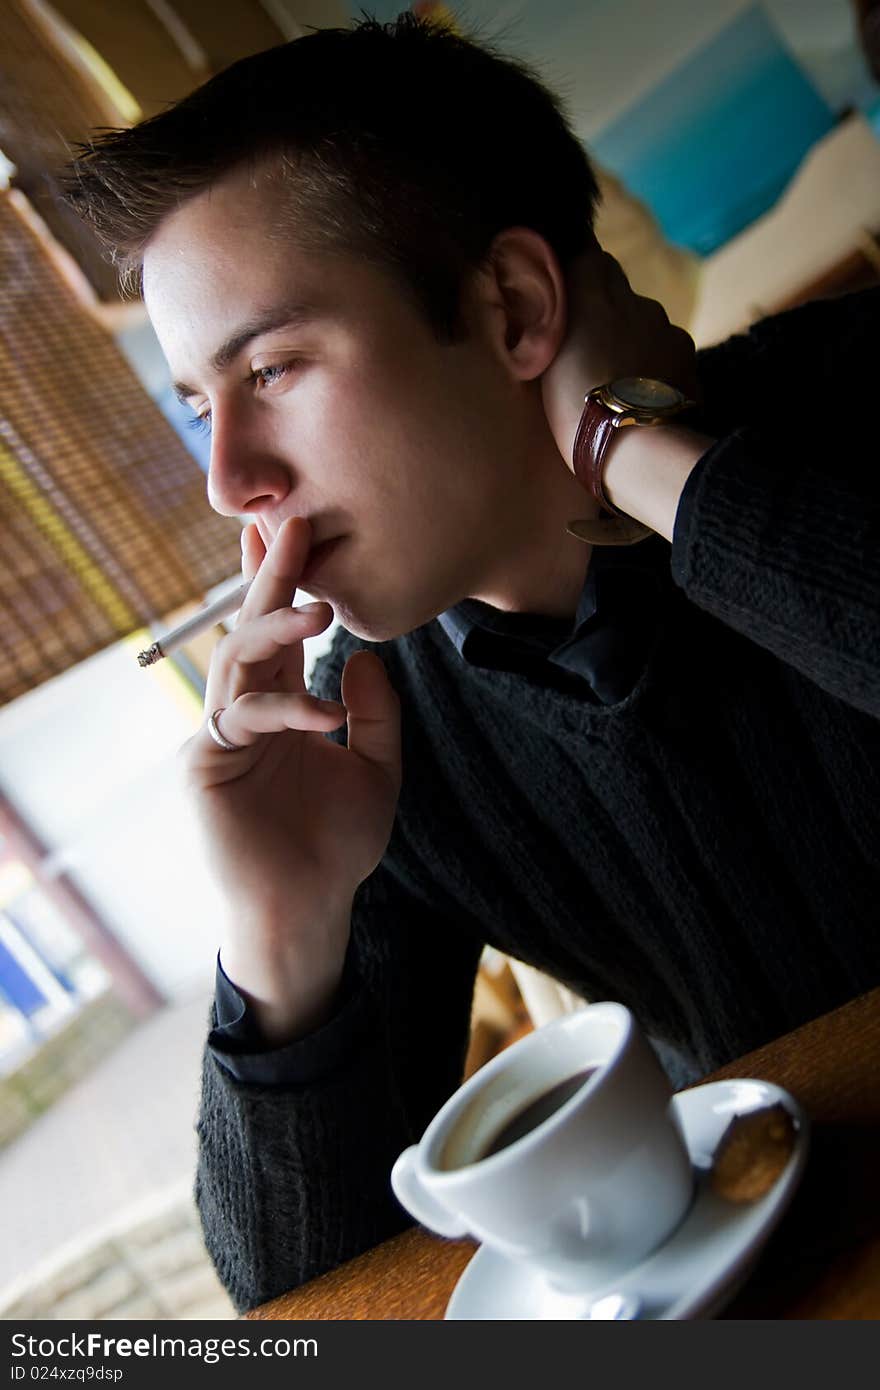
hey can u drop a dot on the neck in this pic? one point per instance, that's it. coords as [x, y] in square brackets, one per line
[538, 567]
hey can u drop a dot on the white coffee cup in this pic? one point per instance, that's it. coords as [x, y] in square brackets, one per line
[589, 1190]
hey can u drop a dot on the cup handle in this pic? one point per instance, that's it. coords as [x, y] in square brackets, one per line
[409, 1191]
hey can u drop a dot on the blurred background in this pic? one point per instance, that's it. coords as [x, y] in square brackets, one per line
[739, 158]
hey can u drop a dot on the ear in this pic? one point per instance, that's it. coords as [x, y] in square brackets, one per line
[522, 297]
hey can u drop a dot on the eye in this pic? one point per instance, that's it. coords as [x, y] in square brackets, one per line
[201, 423]
[270, 376]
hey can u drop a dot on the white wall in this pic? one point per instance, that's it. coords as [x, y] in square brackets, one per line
[89, 759]
[603, 55]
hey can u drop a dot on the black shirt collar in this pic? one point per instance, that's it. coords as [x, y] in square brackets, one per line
[607, 646]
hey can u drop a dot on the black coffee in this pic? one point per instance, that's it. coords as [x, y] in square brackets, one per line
[535, 1113]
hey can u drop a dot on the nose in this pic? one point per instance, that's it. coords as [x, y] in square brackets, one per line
[245, 476]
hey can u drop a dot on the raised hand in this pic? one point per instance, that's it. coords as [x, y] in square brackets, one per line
[293, 821]
[612, 332]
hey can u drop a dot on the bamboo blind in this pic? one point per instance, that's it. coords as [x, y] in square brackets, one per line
[51, 100]
[48, 102]
[104, 522]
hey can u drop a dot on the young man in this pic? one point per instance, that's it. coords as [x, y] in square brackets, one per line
[649, 770]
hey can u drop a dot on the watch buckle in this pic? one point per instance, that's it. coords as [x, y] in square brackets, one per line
[614, 530]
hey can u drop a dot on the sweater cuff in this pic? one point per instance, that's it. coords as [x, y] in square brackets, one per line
[718, 503]
[240, 1049]
[687, 504]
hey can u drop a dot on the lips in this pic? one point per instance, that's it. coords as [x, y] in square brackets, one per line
[317, 558]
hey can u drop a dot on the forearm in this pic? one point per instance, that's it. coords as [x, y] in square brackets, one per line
[773, 541]
[647, 469]
[291, 1183]
[784, 550]
[294, 1175]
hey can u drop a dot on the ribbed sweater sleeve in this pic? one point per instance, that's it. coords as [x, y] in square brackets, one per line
[293, 1179]
[780, 535]
[274, 1181]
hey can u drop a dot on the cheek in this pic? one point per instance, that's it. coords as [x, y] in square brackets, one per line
[408, 440]
[316, 429]
[366, 430]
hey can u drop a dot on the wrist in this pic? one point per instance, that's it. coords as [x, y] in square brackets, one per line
[646, 470]
[289, 976]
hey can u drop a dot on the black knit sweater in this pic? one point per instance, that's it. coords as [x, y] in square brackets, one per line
[705, 850]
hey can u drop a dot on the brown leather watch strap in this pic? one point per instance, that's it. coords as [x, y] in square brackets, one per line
[594, 433]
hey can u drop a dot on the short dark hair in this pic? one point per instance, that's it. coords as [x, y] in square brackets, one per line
[401, 142]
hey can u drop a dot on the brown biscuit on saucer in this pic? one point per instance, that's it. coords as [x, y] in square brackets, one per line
[752, 1153]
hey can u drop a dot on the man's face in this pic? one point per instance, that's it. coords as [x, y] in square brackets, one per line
[329, 397]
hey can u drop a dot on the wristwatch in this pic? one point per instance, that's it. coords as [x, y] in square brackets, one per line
[630, 400]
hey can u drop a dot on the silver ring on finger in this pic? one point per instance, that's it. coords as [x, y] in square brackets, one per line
[218, 738]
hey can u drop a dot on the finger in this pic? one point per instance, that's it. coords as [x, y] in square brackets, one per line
[253, 551]
[276, 579]
[277, 569]
[373, 711]
[266, 638]
[257, 713]
[264, 653]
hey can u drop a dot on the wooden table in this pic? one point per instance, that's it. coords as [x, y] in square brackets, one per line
[823, 1261]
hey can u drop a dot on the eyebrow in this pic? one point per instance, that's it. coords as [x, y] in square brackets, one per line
[269, 322]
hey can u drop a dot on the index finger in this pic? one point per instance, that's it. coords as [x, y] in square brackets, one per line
[274, 582]
[253, 551]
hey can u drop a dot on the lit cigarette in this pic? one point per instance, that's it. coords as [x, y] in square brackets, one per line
[199, 622]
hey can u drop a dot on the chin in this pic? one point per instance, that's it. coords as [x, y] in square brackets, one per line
[375, 627]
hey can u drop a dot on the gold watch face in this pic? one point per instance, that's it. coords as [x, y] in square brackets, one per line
[644, 393]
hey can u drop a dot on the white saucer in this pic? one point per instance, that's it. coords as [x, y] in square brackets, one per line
[702, 1264]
